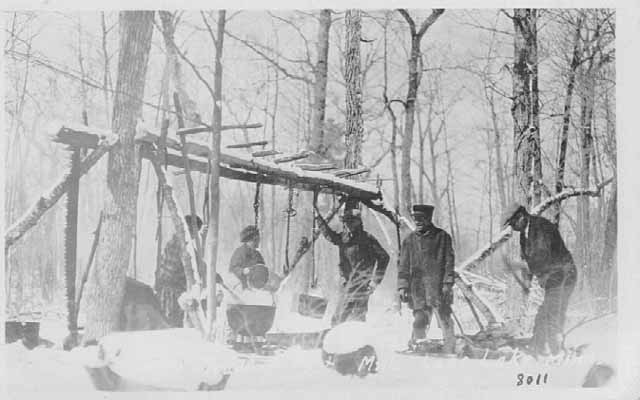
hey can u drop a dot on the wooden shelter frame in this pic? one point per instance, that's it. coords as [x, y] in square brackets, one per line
[260, 167]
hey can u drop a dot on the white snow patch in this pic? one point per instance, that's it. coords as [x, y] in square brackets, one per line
[176, 359]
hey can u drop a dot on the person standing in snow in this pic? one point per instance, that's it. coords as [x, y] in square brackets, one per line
[363, 262]
[170, 279]
[547, 257]
[426, 276]
[246, 256]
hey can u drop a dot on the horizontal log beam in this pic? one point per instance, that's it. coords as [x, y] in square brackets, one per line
[351, 172]
[265, 153]
[316, 167]
[245, 145]
[207, 128]
[292, 157]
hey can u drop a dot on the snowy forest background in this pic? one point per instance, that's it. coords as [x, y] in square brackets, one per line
[59, 64]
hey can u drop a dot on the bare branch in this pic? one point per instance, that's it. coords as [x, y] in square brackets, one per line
[407, 17]
[269, 59]
[209, 29]
[431, 19]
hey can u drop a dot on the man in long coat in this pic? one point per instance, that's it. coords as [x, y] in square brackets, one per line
[547, 257]
[170, 280]
[426, 276]
[363, 262]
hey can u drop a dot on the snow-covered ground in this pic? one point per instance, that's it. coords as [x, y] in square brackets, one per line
[53, 370]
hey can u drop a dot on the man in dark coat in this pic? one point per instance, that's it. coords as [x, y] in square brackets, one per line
[547, 257]
[426, 276]
[170, 279]
[246, 256]
[363, 262]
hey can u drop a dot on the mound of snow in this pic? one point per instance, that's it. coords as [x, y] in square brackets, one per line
[174, 359]
[42, 370]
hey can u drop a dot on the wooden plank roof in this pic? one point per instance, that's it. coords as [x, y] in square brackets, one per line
[236, 165]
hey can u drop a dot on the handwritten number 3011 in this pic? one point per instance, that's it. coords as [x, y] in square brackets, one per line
[530, 379]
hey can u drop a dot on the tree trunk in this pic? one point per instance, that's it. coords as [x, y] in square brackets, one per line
[497, 147]
[410, 101]
[566, 116]
[394, 121]
[451, 193]
[354, 131]
[586, 152]
[610, 242]
[316, 142]
[409, 118]
[435, 190]
[107, 281]
[274, 219]
[525, 109]
[214, 179]
[526, 131]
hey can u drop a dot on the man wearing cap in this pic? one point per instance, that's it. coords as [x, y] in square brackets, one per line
[246, 256]
[426, 276]
[363, 262]
[547, 257]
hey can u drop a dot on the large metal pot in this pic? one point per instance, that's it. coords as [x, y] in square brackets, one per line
[250, 319]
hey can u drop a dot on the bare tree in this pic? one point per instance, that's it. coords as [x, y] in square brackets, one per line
[214, 167]
[107, 280]
[316, 141]
[525, 109]
[410, 100]
[354, 132]
[566, 115]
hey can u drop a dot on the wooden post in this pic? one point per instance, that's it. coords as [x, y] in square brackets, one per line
[92, 253]
[214, 178]
[162, 153]
[187, 175]
[71, 241]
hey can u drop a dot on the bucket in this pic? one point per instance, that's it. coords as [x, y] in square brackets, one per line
[258, 276]
[312, 306]
[29, 332]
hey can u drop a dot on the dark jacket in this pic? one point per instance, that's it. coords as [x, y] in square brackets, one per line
[170, 272]
[244, 257]
[426, 263]
[360, 253]
[542, 247]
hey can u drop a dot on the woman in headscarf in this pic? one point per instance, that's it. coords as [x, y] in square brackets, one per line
[246, 256]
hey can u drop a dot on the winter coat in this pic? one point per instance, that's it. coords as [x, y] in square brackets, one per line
[244, 257]
[170, 272]
[542, 247]
[360, 255]
[426, 263]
